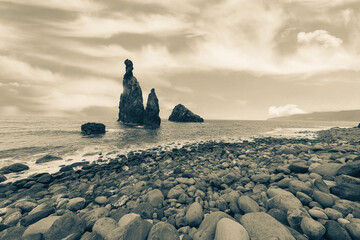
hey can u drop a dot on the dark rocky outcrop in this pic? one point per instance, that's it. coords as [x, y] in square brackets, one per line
[131, 108]
[347, 191]
[48, 158]
[181, 114]
[151, 117]
[16, 167]
[359, 125]
[92, 128]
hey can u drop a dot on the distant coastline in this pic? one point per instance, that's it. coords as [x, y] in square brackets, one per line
[346, 115]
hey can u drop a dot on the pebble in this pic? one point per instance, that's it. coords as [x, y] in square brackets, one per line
[317, 214]
[76, 204]
[102, 200]
[250, 178]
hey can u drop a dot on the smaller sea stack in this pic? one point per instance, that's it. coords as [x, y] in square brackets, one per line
[151, 116]
[181, 114]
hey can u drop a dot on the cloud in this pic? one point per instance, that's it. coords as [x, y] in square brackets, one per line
[14, 69]
[183, 89]
[70, 5]
[320, 37]
[241, 102]
[9, 35]
[321, 3]
[285, 110]
[89, 26]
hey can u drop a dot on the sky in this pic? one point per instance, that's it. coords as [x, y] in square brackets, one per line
[223, 59]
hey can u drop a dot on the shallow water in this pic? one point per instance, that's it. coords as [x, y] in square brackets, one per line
[25, 139]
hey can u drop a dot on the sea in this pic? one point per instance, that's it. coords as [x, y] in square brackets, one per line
[26, 139]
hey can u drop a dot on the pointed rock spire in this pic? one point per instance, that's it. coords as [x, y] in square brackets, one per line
[151, 116]
[131, 108]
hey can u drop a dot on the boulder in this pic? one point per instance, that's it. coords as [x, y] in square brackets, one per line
[131, 227]
[227, 229]
[40, 227]
[299, 167]
[48, 158]
[247, 204]
[131, 108]
[323, 198]
[261, 226]
[347, 190]
[284, 202]
[12, 233]
[39, 212]
[163, 231]
[155, 198]
[66, 225]
[354, 230]
[327, 169]
[145, 210]
[104, 225]
[295, 216]
[312, 228]
[334, 231]
[16, 167]
[194, 214]
[92, 216]
[208, 226]
[151, 115]
[92, 128]
[351, 169]
[181, 114]
[2, 178]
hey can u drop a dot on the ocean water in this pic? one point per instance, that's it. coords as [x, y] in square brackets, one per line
[25, 139]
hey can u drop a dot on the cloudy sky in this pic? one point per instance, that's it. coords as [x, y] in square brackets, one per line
[223, 59]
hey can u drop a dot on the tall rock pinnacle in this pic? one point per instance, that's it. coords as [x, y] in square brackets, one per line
[151, 116]
[131, 108]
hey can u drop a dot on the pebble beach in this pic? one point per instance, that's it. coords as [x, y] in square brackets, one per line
[265, 188]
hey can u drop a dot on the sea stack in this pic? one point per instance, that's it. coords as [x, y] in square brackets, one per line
[151, 116]
[131, 108]
[181, 114]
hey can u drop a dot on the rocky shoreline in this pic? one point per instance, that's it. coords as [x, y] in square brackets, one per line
[269, 188]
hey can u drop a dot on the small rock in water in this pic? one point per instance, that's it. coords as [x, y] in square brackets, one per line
[16, 167]
[92, 128]
[48, 158]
